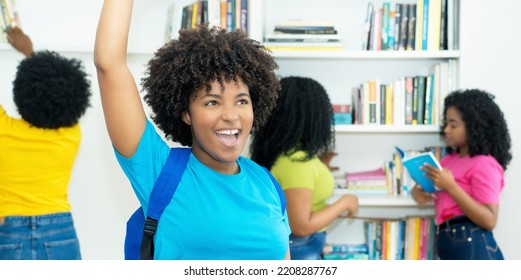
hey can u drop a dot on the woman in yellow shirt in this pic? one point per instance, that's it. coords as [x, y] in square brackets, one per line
[37, 154]
[297, 135]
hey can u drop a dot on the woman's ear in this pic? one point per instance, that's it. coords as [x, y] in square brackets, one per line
[186, 118]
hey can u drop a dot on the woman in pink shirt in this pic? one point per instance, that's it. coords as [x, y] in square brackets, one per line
[471, 181]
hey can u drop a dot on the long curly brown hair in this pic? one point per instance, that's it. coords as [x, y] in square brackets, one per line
[485, 123]
[197, 58]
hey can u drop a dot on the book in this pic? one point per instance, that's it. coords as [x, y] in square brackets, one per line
[413, 164]
[9, 17]
[307, 38]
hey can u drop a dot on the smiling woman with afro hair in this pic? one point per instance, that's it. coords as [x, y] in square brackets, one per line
[208, 89]
[37, 154]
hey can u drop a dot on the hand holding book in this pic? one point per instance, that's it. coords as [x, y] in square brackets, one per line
[415, 164]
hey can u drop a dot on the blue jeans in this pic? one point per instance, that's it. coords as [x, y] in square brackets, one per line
[308, 247]
[45, 237]
[461, 239]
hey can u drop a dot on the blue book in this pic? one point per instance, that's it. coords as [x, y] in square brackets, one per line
[413, 164]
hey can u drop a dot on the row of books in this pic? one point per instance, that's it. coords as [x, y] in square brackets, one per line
[227, 14]
[410, 238]
[306, 35]
[410, 100]
[425, 25]
[9, 17]
[345, 252]
[391, 178]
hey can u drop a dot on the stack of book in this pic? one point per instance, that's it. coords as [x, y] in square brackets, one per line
[8, 17]
[367, 182]
[303, 35]
[342, 114]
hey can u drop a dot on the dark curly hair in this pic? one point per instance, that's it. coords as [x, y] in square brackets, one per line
[302, 120]
[487, 131]
[51, 91]
[197, 58]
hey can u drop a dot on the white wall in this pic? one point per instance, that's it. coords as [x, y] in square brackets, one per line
[490, 60]
[100, 194]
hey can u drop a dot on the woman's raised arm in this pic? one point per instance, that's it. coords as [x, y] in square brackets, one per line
[124, 114]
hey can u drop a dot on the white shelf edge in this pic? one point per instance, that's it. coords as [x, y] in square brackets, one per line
[368, 54]
[383, 200]
[386, 128]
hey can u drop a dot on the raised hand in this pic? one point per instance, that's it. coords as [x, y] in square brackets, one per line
[20, 41]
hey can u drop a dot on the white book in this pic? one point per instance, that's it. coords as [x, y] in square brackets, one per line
[214, 13]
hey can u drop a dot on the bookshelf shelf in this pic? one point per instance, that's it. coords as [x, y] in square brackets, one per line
[384, 200]
[349, 70]
[367, 55]
[386, 128]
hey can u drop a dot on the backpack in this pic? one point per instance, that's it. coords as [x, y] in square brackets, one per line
[139, 238]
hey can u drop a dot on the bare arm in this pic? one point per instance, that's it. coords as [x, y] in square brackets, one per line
[483, 215]
[304, 222]
[124, 114]
[20, 41]
[287, 256]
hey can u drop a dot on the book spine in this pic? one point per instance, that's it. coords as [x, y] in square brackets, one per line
[443, 25]
[415, 101]
[409, 98]
[382, 103]
[411, 29]
[244, 15]
[385, 26]
[398, 12]
[229, 15]
[419, 25]
[367, 26]
[420, 112]
[425, 25]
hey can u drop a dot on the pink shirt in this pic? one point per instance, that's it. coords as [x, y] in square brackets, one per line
[480, 176]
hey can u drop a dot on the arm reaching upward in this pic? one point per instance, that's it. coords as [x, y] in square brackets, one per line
[20, 41]
[124, 114]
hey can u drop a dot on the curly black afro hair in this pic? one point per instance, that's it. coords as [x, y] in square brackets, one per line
[51, 91]
[487, 131]
[302, 119]
[197, 58]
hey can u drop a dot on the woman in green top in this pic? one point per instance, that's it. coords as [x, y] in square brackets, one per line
[296, 145]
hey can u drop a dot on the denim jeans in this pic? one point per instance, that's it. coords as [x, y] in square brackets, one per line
[45, 237]
[308, 247]
[466, 241]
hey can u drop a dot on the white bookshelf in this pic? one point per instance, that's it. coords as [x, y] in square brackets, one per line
[359, 147]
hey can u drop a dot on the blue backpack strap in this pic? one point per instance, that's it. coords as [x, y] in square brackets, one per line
[162, 193]
[280, 192]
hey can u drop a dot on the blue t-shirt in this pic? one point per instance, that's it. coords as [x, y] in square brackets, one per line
[212, 216]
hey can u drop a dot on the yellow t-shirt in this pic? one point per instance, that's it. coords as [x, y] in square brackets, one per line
[312, 174]
[35, 167]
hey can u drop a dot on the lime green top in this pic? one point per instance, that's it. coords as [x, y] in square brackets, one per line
[312, 174]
